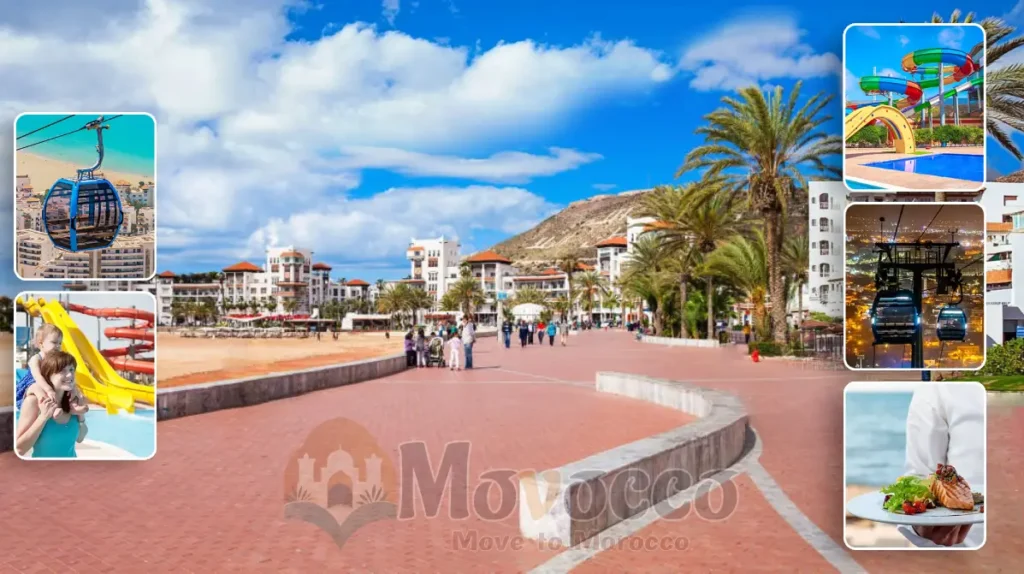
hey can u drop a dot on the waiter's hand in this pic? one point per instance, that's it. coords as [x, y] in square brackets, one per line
[944, 535]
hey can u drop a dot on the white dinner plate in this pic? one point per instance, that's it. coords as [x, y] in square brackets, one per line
[869, 507]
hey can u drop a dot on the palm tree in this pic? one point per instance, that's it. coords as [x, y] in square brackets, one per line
[569, 264]
[419, 299]
[795, 262]
[648, 274]
[464, 295]
[666, 205]
[562, 306]
[611, 302]
[591, 286]
[529, 295]
[761, 147]
[710, 218]
[1003, 87]
[744, 262]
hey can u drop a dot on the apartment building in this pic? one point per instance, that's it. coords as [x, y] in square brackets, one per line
[128, 258]
[1004, 242]
[433, 264]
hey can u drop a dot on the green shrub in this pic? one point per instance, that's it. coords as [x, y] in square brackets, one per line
[723, 337]
[1006, 359]
[766, 348]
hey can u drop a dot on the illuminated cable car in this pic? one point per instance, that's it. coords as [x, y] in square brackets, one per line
[952, 324]
[84, 214]
[894, 318]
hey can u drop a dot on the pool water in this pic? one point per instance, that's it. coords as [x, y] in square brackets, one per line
[957, 166]
[852, 184]
[135, 433]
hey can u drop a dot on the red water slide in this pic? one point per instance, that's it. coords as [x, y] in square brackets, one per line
[117, 357]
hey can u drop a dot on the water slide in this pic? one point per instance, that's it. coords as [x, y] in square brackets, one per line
[948, 66]
[99, 381]
[894, 119]
[118, 357]
[884, 85]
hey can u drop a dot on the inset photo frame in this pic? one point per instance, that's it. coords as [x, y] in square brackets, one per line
[914, 107]
[85, 196]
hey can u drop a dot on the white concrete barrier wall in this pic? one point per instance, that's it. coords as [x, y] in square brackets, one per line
[672, 342]
[579, 500]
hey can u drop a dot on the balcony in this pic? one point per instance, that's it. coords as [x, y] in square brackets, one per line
[415, 254]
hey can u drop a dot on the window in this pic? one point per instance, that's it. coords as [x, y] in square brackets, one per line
[814, 268]
[823, 294]
[1007, 200]
[823, 224]
[814, 245]
[825, 268]
[824, 247]
[823, 200]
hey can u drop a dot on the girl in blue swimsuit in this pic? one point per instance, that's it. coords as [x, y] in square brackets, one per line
[47, 427]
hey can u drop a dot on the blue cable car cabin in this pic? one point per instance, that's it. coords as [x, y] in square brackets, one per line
[894, 318]
[82, 215]
[952, 324]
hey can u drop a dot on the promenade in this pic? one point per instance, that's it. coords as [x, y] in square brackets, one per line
[212, 498]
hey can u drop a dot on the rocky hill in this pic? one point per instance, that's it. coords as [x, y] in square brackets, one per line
[575, 229]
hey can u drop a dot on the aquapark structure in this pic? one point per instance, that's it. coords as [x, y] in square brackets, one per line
[97, 373]
[940, 68]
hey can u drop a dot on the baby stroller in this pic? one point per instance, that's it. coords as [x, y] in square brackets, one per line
[435, 353]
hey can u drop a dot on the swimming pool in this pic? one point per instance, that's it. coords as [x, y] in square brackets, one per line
[953, 165]
[135, 433]
[854, 184]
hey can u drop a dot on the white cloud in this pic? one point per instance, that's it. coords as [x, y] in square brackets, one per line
[890, 73]
[904, 40]
[390, 10]
[510, 167]
[951, 37]
[251, 122]
[604, 186]
[853, 90]
[381, 226]
[869, 31]
[751, 52]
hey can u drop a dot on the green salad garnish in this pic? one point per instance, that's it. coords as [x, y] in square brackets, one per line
[906, 489]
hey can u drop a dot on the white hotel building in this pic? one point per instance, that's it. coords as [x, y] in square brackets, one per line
[1004, 243]
[288, 274]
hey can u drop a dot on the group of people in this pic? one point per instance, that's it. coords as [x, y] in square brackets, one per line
[531, 330]
[51, 408]
[455, 340]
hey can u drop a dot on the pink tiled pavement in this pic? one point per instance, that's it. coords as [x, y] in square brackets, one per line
[211, 500]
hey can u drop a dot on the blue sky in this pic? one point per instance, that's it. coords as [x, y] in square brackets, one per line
[879, 50]
[348, 127]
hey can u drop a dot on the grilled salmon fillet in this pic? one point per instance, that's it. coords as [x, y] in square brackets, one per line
[951, 490]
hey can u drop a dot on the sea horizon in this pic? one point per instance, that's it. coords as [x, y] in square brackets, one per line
[129, 144]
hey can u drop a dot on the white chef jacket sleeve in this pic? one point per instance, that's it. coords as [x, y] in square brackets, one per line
[927, 432]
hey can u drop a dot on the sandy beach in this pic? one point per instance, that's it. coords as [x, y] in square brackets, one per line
[6, 370]
[43, 171]
[187, 361]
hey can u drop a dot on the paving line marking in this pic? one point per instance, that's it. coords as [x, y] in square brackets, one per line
[835, 554]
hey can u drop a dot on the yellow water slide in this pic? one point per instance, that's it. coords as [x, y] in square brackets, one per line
[891, 117]
[93, 374]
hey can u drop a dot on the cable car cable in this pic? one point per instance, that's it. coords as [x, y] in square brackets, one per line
[64, 134]
[44, 127]
[900, 218]
[930, 222]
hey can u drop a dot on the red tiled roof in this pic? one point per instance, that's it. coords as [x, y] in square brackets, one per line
[242, 266]
[321, 267]
[488, 257]
[167, 274]
[415, 247]
[291, 254]
[617, 241]
[585, 267]
[357, 283]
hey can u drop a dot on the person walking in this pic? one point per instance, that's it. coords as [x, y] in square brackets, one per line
[455, 348]
[552, 329]
[410, 350]
[563, 330]
[421, 349]
[531, 327]
[468, 339]
[524, 333]
[540, 332]
[506, 331]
